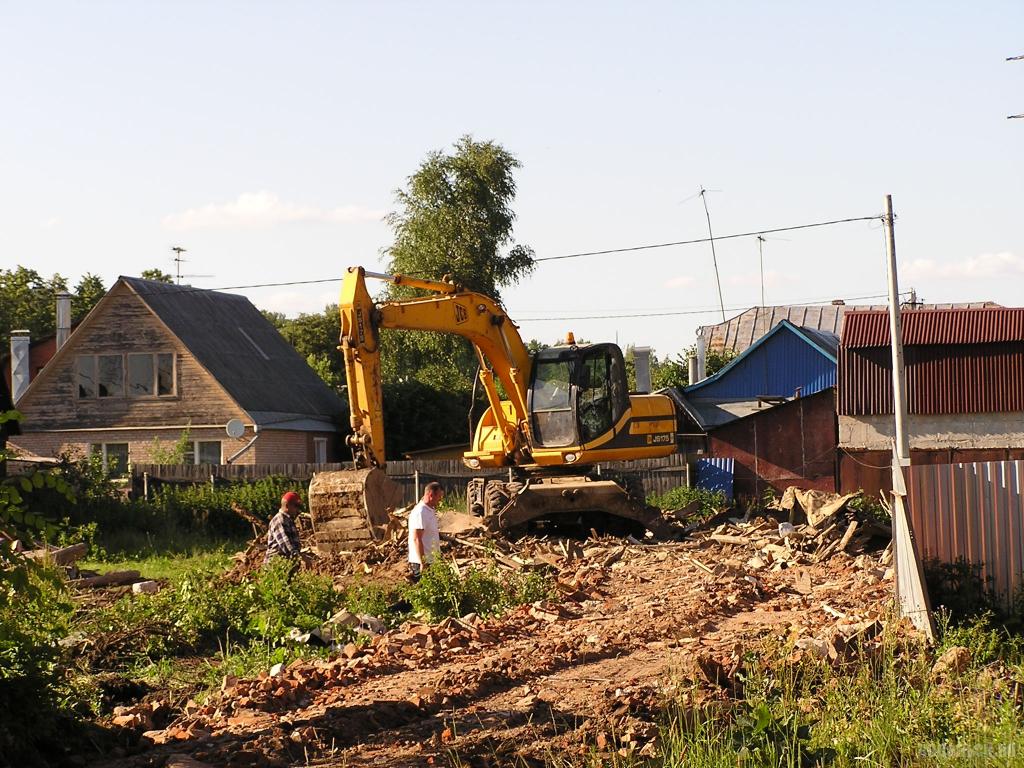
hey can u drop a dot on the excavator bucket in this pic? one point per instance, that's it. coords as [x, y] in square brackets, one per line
[351, 509]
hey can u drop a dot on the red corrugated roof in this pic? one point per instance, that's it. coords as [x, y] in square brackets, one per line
[935, 326]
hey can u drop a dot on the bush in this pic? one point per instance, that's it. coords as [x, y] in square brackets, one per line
[710, 503]
[959, 588]
[34, 692]
[442, 591]
[201, 612]
[176, 516]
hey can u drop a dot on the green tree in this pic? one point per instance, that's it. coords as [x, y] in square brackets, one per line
[315, 337]
[669, 372]
[156, 274]
[455, 218]
[88, 292]
[27, 301]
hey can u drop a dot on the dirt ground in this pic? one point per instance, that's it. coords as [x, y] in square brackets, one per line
[637, 626]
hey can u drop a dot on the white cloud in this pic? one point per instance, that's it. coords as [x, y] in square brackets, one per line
[50, 223]
[682, 281]
[771, 278]
[263, 209]
[973, 267]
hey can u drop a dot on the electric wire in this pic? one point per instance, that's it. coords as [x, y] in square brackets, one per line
[708, 239]
[581, 254]
[673, 313]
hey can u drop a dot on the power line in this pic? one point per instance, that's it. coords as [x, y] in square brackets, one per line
[705, 311]
[696, 241]
[708, 239]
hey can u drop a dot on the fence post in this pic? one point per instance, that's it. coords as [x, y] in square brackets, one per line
[416, 483]
[145, 485]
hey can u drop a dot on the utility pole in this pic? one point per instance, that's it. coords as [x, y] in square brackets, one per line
[760, 258]
[899, 396]
[714, 258]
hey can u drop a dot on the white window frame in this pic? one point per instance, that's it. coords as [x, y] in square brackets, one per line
[195, 450]
[103, 451]
[319, 449]
[126, 393]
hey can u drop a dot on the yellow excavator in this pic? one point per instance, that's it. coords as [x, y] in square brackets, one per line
[566, 411]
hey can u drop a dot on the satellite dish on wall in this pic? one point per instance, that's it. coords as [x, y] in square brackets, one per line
[235, 428]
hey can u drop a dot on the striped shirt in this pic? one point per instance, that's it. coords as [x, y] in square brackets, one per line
[282, 537]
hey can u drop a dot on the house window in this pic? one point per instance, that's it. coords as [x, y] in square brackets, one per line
[148, 374]
[110, 375]
[87, 376]
[320, 450]
[202, 452]
[115, 457]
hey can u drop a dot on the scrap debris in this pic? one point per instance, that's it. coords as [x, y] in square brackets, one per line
[634, 626]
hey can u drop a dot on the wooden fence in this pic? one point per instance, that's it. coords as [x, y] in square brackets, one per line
[657, 475]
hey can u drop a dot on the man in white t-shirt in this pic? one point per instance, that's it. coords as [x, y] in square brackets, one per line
[424, 540]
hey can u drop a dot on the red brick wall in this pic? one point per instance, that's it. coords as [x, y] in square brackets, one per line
[140, 442]
[279, 446]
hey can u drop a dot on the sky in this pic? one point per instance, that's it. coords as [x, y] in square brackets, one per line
[268, 140]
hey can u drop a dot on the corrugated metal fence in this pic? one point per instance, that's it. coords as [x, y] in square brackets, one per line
[657, 475]
[974, 511]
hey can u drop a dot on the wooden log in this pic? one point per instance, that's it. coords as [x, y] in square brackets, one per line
[724, 538]
[112, 579]
[850, 530]
[63, 556]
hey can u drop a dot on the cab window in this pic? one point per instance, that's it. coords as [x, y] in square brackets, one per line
[595, 395]
[551, 404]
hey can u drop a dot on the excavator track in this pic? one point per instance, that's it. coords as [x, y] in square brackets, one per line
[611, 503]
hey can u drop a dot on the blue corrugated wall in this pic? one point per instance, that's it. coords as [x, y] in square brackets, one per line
[777, 368]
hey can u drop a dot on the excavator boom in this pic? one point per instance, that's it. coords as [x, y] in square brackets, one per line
[475, 317]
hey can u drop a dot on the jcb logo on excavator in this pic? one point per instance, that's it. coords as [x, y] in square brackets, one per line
[461, 315]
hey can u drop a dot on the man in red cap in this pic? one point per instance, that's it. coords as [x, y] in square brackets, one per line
[282, 535]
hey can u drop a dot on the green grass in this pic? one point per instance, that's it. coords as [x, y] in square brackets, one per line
[208, 557]
[881, 708]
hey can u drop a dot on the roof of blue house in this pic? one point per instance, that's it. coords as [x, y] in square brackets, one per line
[787, 362]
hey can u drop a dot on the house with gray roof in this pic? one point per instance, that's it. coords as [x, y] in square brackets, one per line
[153, 361]
[738, 333]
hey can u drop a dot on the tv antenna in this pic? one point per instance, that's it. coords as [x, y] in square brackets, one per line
[760, 258]
[1015, 58]
[178, 261]
[714, 258]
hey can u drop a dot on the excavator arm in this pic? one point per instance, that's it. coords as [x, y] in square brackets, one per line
[449, 309]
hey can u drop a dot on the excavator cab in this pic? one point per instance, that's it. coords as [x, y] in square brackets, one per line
[577, 394]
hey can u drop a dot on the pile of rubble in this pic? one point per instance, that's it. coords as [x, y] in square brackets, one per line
[633, 627]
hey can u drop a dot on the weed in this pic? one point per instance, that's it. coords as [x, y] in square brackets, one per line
[709, 503]
[444, 591]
